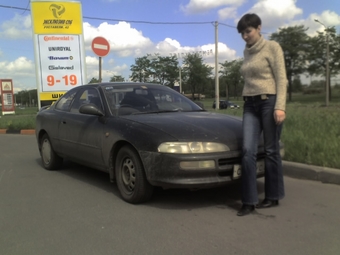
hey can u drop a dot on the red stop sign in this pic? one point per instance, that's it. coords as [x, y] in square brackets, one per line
[100, 46]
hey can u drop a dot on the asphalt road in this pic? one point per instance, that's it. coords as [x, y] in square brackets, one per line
[78, 211]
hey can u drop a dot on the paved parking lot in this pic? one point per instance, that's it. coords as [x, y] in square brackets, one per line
[78, 211]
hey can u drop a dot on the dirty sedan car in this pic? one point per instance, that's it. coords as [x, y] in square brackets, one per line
[144, 136]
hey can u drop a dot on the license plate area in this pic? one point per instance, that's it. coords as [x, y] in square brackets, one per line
[237, 170]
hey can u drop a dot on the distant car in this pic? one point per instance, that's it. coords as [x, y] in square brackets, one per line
[231, 105]
[143, 135]
[224, 104]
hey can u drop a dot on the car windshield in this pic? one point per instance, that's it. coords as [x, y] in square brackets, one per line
[145, 99]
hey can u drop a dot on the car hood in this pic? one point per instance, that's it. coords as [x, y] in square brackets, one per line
[195, 126]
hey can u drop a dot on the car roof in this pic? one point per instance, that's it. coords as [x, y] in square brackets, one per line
[118, 84]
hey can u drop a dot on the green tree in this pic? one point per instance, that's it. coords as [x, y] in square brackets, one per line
[318, 54]
[196, 75]
[164, 70]
[294, 43]
[231, 77]
[26, 97]
[94, 80]
[117, 78]
[296, 85]
[141, 70]
[155, 69]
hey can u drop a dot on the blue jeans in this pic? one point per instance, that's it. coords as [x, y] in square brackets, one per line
[258, 117]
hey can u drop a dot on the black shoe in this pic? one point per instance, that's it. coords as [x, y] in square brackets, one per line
[245, 210]
[266, 203]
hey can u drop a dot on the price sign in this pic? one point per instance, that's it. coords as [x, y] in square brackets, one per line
[60, 62]
[66, 80]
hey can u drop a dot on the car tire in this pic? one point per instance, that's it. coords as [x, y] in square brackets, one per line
[130, 177]
[50, 159]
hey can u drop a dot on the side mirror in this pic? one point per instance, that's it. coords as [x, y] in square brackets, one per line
[91, 109]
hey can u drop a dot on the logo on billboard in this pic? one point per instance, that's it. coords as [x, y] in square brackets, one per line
[57, 22]
[59, 48]
[57, 10]
[60, 67]
[59, 58]
[58, 38]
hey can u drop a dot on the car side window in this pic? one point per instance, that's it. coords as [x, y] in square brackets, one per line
[87, 96]
[65, 102]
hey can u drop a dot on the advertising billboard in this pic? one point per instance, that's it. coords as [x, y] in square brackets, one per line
[58, 46]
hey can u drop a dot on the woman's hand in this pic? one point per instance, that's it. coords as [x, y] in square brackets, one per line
[279, 116]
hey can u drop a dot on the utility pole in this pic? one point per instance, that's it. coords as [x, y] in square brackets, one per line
[180, 79]
[217, 90]
[327, 62]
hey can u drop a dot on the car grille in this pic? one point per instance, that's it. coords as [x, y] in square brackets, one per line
[228, 161]
[225, 165]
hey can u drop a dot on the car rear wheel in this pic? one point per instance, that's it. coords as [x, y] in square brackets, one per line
[50, 160]
[130, 176]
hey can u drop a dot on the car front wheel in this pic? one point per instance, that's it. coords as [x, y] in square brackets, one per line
[130, 176]
[50, 160]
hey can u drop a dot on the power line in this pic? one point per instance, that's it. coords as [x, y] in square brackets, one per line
[226, 25]
[129, 21]
[151, 22]
[26, 7]
[13, 7]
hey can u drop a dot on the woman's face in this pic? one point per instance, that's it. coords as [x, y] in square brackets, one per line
[251, 35]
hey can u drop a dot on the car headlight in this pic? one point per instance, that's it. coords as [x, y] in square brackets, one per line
[192, 147]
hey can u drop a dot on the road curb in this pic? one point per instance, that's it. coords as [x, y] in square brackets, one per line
[21, 132]
[310, 172]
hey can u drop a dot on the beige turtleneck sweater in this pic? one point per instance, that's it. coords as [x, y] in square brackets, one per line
[264, 71]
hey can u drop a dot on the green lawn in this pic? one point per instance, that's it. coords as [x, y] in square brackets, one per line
[311, 132]
[22, 119]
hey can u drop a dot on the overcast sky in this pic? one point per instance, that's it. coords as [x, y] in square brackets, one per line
[129, 26]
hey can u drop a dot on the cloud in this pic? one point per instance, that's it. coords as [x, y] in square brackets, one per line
[19, 27]
[328, 18]
[115, 70]
[21, 71]
[91, 61]
[227, 13]
[170, 47]
[274, 13]
[92, 70]
[225, 53]
[167, 46]
[203, 6]
[20, 66]
[124, 40]
[127, 42]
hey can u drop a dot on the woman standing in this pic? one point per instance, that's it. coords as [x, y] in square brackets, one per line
[264, 96]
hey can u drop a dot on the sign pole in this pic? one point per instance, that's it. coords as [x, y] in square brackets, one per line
[101, 47]
[100, 69]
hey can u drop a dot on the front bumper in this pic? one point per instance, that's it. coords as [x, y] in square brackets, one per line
[164, 170]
